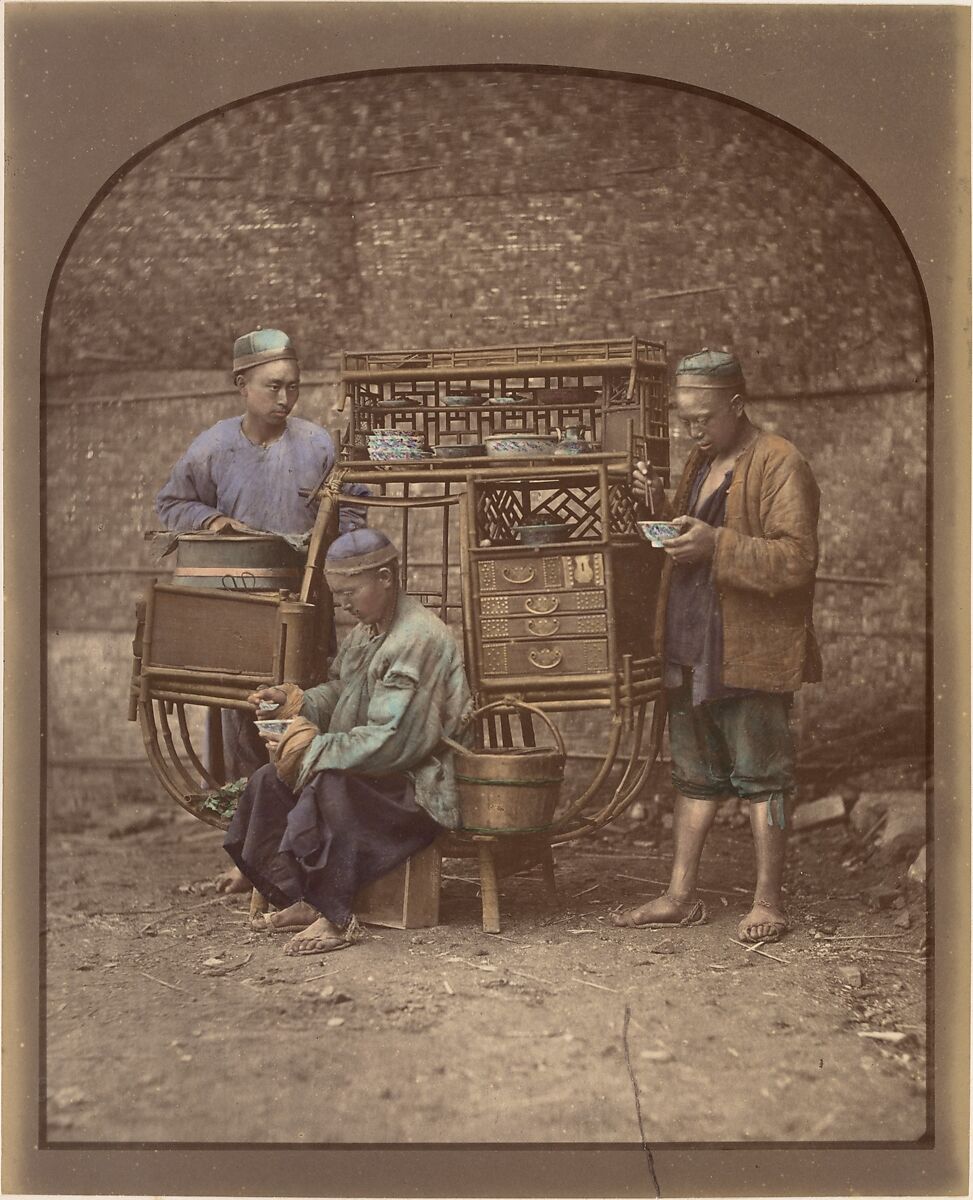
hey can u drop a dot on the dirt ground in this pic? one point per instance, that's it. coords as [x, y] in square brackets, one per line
[168, 1020]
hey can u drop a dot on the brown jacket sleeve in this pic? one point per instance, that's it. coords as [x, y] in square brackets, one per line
[780, 501]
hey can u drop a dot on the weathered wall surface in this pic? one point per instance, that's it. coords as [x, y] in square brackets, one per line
[478, 208]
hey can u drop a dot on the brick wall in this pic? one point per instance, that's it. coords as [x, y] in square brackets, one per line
[475, 208]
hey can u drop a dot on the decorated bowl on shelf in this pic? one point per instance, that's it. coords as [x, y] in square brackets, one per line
[455, 400]
[404, 401]
[471, 450]
[509, 399]
[389, 445]
[520, 445]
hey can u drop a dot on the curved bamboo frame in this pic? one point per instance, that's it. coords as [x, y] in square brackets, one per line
[191, 796]
[186, 778]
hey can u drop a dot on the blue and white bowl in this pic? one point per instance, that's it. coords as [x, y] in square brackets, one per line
[520, 445]
[389, 445]
[657, 533]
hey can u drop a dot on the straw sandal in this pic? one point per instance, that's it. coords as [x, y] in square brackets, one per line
[779, 924]
[319, 945]
[695, 916]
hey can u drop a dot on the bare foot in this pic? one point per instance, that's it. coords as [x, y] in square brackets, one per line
[663, 910]
[233, 882]
[319, 938]
[763, 923]
[297, 916]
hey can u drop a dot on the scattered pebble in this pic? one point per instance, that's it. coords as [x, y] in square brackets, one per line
[852, 976]
[334, 1022]
[657, 1055]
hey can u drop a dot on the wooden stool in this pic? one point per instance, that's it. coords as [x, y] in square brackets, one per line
[489, 853]
[405, 898]
[408, 897]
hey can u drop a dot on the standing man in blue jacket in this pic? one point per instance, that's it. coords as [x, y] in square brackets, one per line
[246, 475]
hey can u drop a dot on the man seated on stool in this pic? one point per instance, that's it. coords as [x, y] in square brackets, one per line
[360, 781]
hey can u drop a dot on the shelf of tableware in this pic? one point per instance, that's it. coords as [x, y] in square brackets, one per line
[616, 383]
[564, 624]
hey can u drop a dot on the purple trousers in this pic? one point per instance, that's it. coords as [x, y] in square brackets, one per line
[341, 832]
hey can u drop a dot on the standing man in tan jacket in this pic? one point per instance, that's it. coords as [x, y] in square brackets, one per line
[736, 634]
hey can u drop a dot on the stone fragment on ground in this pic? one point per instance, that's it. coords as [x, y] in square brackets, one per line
[851, 976]
[880, 897]
[917, 872]
[903, 829]
[819, 812]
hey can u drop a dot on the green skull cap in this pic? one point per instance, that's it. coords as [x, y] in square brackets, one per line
[709, 369]
[262, 346]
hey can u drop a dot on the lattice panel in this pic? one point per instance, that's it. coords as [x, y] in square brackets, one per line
[621, 509]
[580, 506]
[616, 392]
[497, 512]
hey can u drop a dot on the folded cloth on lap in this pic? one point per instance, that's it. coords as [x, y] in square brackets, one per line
[291, 748]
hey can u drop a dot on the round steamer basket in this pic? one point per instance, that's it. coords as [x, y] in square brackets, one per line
[238, 562]
[508, 790]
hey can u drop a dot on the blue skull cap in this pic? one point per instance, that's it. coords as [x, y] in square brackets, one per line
[263, 345]
[359, 550]
[709, 369]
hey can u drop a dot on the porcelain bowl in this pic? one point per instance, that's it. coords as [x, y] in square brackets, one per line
[658, 532]
[390, 445]
[472, 450]
[276, 728]
[520, 445]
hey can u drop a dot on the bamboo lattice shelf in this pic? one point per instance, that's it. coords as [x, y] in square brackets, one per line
[609, 387]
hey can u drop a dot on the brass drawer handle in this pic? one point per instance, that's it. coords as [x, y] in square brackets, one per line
[545, 627]
[517, 574]
[555, 657]
[541, 606]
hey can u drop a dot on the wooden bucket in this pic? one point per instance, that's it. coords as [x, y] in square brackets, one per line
[508, 789]
[248, 562]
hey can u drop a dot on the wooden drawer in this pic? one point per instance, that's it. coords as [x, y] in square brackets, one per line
[544, 604]
[553, 572]
[546, 659]
[556, 625]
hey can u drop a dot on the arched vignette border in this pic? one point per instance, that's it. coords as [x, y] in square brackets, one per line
[525, 69]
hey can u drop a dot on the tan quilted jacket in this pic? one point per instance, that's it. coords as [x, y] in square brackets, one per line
[763, 568]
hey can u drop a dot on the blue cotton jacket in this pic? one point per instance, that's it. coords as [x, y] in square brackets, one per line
[224, 473]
